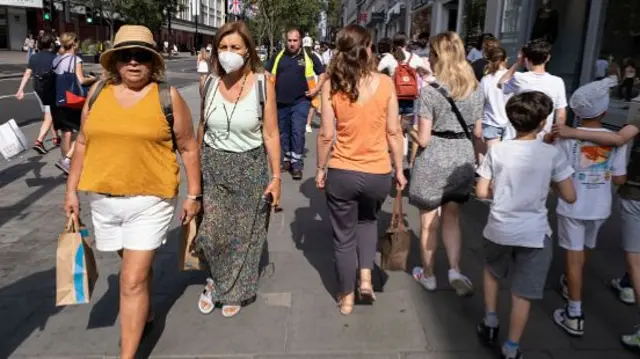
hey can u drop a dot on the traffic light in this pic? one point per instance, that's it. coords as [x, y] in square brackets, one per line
[47, 9]
[88, 14]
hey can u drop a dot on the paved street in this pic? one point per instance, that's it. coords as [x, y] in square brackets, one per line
[294, 315]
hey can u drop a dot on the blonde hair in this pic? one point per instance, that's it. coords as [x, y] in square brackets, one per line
[450, 66]
[68, 40]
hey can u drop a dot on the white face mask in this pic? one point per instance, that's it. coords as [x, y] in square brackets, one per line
[230, 61]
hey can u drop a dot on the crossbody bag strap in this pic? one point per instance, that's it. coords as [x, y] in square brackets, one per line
[214, 81]
[454, 108]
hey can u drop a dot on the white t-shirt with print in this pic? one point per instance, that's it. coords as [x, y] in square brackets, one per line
[550, 85]
[594, 166]
[495, 100]
[521, 172]
[388, 62]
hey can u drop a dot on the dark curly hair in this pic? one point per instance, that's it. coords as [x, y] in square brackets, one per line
[351, 62]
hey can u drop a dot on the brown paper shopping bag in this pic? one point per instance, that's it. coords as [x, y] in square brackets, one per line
[76, 269]
[396, 242]
[187, 257]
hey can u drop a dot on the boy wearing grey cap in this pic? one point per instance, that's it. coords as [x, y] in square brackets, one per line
[629, 193]
[596, 168]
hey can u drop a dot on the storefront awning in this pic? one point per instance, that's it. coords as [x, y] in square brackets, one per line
[376, 18]
[420, 4]
[395, 10]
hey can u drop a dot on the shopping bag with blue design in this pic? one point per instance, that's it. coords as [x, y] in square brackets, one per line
[76, 270]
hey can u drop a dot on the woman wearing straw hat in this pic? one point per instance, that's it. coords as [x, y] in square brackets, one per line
[125, 159]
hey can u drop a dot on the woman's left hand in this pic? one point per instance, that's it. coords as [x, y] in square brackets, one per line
[190, 209]
[274, 189]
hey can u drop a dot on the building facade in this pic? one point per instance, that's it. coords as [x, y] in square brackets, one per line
[17, 20]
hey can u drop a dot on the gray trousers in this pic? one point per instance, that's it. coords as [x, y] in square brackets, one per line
[354, 200]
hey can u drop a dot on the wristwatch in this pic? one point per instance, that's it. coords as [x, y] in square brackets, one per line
[195, 198]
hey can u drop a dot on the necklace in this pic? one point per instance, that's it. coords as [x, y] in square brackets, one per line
[235, 104]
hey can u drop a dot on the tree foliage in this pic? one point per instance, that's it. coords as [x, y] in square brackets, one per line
[150, 13]
[273, 17]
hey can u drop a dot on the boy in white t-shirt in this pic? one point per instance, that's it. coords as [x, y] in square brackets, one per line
[535, 56]
[596, 168]
[517, 174]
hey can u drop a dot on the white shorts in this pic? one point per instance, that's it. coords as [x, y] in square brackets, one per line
[136, 223]
[44, 108]
[576, 234]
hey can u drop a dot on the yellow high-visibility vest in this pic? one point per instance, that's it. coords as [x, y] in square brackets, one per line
[308, 74]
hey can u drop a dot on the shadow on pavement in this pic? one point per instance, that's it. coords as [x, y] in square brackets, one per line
[25, 306]
[18, 172]
[311, 233]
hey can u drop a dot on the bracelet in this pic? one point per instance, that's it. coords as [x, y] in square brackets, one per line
[276, 178]
[194, 198]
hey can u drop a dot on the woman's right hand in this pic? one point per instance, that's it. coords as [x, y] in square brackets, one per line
[401, 180]
[71, 204]
[20, 95]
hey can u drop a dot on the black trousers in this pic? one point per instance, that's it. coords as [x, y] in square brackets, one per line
[354, 200]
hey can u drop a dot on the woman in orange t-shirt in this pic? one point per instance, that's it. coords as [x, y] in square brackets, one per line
[365, 108]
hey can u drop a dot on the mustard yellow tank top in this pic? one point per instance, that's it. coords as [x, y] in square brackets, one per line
[129, 151]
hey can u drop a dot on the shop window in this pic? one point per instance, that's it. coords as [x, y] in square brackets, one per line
[473, 16]
[620, 41]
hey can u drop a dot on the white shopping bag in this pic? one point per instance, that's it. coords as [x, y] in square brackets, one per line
[12, 140]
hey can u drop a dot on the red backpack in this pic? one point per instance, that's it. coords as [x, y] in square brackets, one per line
[406, 81]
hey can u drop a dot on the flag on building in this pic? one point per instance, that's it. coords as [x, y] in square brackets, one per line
[235, 7]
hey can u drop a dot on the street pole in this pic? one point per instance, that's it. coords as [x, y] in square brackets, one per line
[169, 48]
[195, 40]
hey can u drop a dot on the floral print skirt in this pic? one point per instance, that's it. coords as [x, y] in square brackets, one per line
[235, 221]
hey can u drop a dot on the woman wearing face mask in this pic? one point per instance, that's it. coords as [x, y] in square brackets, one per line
[240, 143]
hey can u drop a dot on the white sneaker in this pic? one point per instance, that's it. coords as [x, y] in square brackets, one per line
[429, 283]
[625, 294]
[460, 283]
[309, 129]
[632, 340]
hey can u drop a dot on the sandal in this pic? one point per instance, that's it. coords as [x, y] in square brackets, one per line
[365, 292]
[229, 311]
[346, 303]
[205, 302]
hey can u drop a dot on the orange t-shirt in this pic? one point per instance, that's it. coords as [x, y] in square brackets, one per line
[361, 132]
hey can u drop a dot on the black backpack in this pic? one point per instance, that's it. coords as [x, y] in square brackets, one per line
[44, 84]
[164, 90]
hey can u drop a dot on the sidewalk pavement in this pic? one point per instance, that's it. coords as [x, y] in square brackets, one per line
[294, 316]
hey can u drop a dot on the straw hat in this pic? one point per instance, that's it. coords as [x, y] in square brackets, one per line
[132, 37]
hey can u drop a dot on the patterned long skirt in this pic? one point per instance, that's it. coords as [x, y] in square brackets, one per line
[235, 221]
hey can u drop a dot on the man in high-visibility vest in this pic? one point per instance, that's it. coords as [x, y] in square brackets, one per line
[294, 71]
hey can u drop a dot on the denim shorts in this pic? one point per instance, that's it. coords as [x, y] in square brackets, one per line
[492, 132]
[405, 107]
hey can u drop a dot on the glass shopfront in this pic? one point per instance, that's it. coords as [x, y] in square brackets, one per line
[619, 43]
[4, 32]
[473, 20]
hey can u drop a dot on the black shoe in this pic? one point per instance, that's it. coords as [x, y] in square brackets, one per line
[296, 174]
[39, 147]
[488, 335]
[517, 356]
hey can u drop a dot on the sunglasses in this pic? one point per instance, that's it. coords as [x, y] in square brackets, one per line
[140, 56]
